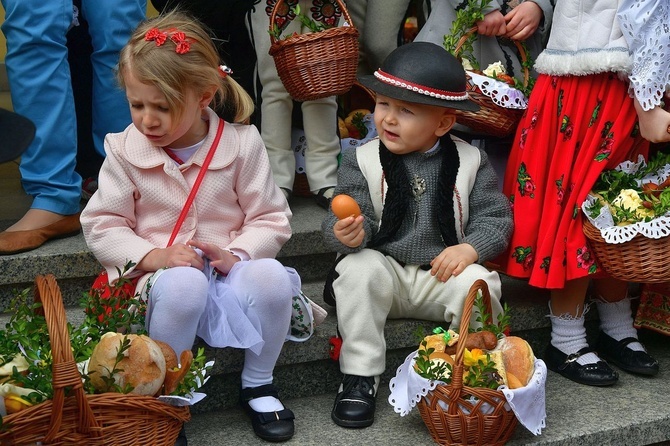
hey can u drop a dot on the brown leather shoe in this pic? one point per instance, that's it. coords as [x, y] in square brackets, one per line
[20, 241]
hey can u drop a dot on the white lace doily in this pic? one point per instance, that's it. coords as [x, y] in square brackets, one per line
[501, 93]
[655, 229]
[528, 403]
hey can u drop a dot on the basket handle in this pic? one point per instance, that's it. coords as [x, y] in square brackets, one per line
[275, 10]
[65, 371]
[522, 53]
[457, 373]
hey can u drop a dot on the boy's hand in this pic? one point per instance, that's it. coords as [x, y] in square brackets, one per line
[221, 259]
[349, 231]
[175, 255]
[523, 21]
[492, 25]
[452, 261]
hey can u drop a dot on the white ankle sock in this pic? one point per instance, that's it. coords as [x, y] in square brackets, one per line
[568, 334]
[616, 321]
[266, 404]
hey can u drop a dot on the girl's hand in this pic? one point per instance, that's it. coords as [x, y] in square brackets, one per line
[523, 21]
[452, 261]
[221, 259]
[175, 255]
[654, 123]
[492, 25]
[349, 231]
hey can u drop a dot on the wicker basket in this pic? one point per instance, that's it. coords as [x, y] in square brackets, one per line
[316, 65]
[640, 259]
[491, 119]
[464, 422]
[75, 418]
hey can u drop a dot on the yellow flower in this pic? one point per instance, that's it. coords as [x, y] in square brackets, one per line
[472, 357]
[630, 199]
[494, 68]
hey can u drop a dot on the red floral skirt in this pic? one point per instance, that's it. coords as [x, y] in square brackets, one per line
[573, 129]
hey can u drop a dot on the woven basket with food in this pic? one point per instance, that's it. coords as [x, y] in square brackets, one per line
[502, 98]
[85, 385]
[316, 64]
[473, 387]
[627, 220]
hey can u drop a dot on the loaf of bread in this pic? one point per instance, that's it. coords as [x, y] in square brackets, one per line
[142, 365]
[519, 361]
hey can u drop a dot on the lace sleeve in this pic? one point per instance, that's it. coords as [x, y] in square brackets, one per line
[645, 24]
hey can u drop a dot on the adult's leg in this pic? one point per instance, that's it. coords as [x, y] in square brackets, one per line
[110, 27]
[39, 78]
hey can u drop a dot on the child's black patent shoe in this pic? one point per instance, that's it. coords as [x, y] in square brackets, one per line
[270, 426]
[181, 438]
[598, 374]
[618, 353]
[355, 402]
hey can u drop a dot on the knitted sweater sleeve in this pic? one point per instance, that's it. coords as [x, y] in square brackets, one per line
[490, 224]
[351, 181]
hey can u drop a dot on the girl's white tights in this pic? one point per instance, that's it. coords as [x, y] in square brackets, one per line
[177, 300]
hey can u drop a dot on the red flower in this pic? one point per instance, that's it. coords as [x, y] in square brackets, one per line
[154, 34]
[335, 347]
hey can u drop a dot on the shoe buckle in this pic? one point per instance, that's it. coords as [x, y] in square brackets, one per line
[277, 415]
[572, 357]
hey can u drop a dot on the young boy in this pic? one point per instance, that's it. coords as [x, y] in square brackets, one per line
[431, 214]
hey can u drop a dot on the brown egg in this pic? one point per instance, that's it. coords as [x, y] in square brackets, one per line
[344, 206]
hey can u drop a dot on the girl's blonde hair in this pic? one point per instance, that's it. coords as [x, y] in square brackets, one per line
[176, 72]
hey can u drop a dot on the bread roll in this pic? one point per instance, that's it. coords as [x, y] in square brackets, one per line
[169, 354]
[142, 367]
[519, 361]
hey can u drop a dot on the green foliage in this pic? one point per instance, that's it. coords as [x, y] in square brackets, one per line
[482, 374]
[428, 369]
[483, 317]
[611, 182]
[196, 377]
[305, 21]
[108, 377]
[465, 19]
[26, 334]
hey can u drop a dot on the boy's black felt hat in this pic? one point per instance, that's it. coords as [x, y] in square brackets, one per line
[16, 132]
[423, 73]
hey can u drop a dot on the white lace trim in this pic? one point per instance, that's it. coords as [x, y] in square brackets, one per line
[528, 403]
[656, 228]
[501, 93]
[646, 26]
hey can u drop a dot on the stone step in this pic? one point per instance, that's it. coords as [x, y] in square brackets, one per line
[634, 412]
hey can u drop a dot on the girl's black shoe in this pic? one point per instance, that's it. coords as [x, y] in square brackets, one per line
[270, 426]
[618, 353]
[598, 374]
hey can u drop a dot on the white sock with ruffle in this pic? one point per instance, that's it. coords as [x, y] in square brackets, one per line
[568, 334]
[616, 321]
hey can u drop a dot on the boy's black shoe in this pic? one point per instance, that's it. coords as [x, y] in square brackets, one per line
[597, 374]
[270, 426]
[181, 438]
[355, 402]
[618, 353]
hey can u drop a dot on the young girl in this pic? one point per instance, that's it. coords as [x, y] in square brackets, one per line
[580, 121]
[218, 279]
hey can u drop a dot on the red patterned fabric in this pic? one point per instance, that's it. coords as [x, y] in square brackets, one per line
[573, 129]
[654, 309]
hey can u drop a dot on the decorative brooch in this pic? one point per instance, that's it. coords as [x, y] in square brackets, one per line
[183, 43]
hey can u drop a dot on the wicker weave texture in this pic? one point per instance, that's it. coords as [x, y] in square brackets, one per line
[640, 259]
[316, 65]
[484, 421]
[491, 119]
[74, 418]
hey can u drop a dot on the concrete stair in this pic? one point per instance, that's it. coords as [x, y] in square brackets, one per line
[634, 412]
